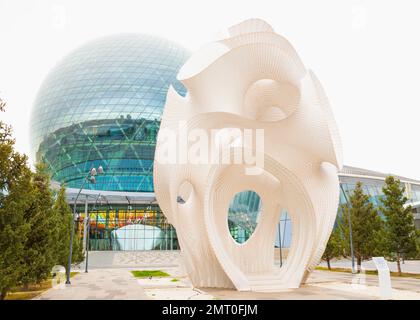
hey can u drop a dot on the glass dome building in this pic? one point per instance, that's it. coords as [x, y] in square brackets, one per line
[101, 105]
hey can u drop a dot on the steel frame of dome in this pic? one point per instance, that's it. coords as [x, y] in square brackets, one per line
[101, 105]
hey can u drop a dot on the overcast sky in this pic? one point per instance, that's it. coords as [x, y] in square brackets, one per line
[366, 54]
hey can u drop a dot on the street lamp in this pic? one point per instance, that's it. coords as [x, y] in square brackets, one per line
[280, 243]
[91, 177]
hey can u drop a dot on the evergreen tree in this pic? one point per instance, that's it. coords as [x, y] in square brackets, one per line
[63, 211]
[64, 214]
[333, 248]
[13, 232]
[399, 225]
[366, 225]
[78, 254]
[15, 181]
[416, 254]
[40, 247]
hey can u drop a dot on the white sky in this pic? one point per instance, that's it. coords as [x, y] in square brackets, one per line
[366, 54]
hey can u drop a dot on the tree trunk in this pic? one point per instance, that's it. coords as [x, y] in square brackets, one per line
[3, 294]
[359, 264]
[399, 264]
[328, 264]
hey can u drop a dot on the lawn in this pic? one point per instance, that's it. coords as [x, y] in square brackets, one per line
[18, 293]
[149, 273]
[372, 272]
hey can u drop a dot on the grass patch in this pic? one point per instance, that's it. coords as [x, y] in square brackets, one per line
[34, 289]
[372, 272]
[174, 280]
[149, 273]
[23, 295]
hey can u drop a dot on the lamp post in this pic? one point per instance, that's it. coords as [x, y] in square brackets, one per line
[91, 177]
[280, 243]
[353, 270]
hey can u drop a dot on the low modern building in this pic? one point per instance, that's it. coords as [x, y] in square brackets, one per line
[373, 182]
[101, 106]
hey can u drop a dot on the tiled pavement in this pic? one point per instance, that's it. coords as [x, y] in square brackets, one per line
[118, 283]
[409, 284]
[134, 259]
[98, 284]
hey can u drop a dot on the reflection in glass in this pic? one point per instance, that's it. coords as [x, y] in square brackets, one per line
[243, 214]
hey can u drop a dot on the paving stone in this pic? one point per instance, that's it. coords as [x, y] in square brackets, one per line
[119, 283]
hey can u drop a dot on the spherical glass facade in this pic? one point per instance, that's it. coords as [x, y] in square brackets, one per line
[102, 105]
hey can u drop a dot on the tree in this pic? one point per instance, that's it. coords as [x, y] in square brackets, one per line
[366, 225]
[40, 246]
[333, 248]
[15, 181]
[63, 212]
[400, 230]
[29, 227]
[64, 215]
[415, 253]
[78, 254]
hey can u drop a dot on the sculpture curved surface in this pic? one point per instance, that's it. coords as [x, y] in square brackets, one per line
[252, 80]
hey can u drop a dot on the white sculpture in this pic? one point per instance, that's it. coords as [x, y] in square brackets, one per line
[253, 79]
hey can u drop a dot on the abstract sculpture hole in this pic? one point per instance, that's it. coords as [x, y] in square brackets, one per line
[184, 192]
[270, 100]
[243, 214]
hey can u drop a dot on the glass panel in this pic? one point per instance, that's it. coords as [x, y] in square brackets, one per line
[140, 227]
[243, 214]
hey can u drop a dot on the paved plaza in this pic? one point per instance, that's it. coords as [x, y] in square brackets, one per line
[110, 282]
[119, 283]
